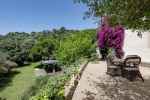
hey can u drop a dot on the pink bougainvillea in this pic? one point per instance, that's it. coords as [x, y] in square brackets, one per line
[111, 37]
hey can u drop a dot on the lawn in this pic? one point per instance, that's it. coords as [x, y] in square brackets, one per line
[17, 82]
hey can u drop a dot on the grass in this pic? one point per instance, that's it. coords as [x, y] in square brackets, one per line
[19, 81]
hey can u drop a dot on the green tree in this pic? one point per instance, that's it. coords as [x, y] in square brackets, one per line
[133, 14]
[60, 33]
[17, 46]
[5, 64]
[2, 60]
[75, 46]
[43, 48]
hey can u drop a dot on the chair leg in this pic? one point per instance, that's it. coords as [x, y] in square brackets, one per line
[139, 75]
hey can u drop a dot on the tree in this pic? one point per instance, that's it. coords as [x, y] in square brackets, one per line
[2, 60]
[5, 64]
[76, 45]
[17, 46]
[133, 14]
[60, 33]
[43, 48]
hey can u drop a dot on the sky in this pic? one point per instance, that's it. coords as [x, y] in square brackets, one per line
[38, 15]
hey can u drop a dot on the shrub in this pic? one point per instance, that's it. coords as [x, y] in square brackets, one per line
[10, 64]
[75, 46]
[6, 65]
[51, 90]
[33, 90]
[43, 48]
[54, 88]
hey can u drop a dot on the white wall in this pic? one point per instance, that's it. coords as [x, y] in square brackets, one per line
[133, 45]
[133, 41]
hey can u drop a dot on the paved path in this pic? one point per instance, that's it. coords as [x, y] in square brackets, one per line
[96, 85]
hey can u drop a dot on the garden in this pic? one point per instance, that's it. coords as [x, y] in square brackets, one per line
[59, 53]
[37, 65]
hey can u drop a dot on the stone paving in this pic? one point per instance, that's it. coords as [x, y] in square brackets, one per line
[95, 84]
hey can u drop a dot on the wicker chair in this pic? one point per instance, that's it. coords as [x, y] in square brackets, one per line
[130, 69]
[114, 65]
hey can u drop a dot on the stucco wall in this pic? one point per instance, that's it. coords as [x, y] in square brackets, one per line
[133, 41]
[133, 45]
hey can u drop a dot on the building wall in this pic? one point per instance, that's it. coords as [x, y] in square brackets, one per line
[135, 42]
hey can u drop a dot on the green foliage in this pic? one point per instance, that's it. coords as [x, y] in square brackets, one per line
[51, 90]
[131, 13]
[17, 81]
[34, 89]
[54, 88]
[3, 58]
[24, 47]
[75, 46]
[2, 61]
[6, 65]
[43, 48]
[66, 46]
[17, 46]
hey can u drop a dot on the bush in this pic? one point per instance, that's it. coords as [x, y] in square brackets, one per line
[43, 48]
[54, 88]
[6, 65]
[33, 90]
[75, 46]
[10, 64]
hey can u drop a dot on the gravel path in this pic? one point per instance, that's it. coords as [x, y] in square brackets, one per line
[96, 85]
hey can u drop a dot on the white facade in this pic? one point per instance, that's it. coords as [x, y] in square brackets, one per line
[133, 41]
[136, 45]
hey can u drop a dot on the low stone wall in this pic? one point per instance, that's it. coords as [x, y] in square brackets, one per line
[72, 84]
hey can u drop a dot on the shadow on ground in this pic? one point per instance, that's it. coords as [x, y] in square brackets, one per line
[6, 79]
[118, 88]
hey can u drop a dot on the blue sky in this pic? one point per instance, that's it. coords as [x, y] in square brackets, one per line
[38, 15]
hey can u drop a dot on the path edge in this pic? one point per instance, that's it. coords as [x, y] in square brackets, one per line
[71, 86]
